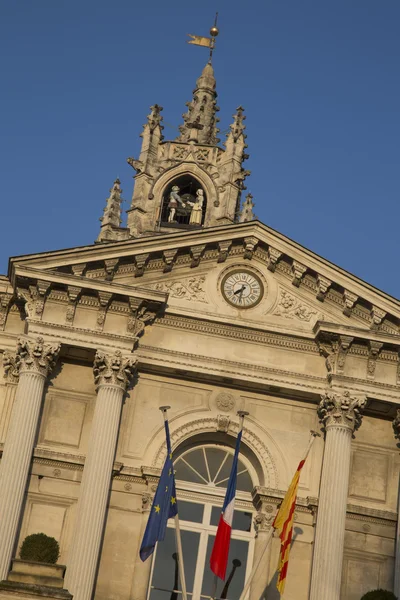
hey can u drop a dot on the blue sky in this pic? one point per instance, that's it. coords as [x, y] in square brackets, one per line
[319, 82]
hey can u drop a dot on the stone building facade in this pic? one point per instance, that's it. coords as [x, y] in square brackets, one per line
[198, 305]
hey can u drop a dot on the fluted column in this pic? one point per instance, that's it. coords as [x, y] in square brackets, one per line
[341, 416]
[262, 525]
[33, 362]
[112, 373]
[141, 574]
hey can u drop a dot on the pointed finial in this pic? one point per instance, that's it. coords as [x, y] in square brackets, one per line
[247, 214]
[111, 219]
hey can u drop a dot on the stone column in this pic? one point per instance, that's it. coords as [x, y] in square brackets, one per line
[112, 373]
[340, 415]
[262, 525]
[396, 588]
[34, 361]
[141, 574]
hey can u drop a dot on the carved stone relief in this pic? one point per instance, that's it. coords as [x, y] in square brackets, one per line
[291, 307]
[191, 289]
[225, 401]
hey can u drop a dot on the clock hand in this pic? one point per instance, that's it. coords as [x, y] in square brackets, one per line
[240, 290]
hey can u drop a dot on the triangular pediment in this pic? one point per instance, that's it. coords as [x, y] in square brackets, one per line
[300, 288]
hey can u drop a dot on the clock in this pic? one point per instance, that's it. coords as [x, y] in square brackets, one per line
[242, 289]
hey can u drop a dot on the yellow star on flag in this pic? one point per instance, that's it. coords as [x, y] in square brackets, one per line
[173, 500]
[157, 508]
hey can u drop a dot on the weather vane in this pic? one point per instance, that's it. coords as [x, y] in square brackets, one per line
[208, 42]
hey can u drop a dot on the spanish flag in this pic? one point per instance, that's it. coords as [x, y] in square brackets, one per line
[283, 523]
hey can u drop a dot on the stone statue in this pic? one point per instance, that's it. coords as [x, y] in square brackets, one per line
[174, 201]
[196, 215]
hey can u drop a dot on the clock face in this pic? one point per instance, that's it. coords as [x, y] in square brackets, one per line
[242, 289]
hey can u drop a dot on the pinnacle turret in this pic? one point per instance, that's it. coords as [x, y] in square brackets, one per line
[200, 121]
[111, 229]
[247, 214]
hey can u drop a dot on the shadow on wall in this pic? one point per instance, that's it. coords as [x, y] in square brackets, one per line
[271, 592]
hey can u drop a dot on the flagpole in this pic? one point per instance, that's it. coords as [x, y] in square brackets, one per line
[254, 570]
[178, 537]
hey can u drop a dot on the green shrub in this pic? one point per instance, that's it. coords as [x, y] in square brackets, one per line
[39, 547]
[379, 595]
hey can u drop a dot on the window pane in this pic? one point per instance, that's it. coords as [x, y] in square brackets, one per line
[225, 471]
[190, 511]
[241, 520]
[165, 572]
[215, 456]
[244, 482]
[196, 460]
[184, 473]
[233, 585]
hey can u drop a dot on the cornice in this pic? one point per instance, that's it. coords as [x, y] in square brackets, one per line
[238, 332]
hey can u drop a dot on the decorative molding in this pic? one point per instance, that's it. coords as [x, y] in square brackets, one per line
[169, 257]
[79, 269]
[104, 299]
[241, 333]
[298, 270]
[340, 410]
[396, 427]
[73, 295]
[323, 284]
[291, 307]
[273, 257]
[208, 424]
[374, 349]
[225, 401]
[224, 248]
[250, 244]
[5, 302]
[113, 369]
[196, 254]
[349, 302]
[190, 289]
[111, 266]
[377, 317]
[141, 261]
[31, 356]
[223, 423]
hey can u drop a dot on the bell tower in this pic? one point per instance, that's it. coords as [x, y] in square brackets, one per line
[190, 182]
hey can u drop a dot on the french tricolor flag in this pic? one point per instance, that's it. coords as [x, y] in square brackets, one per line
[220, 551]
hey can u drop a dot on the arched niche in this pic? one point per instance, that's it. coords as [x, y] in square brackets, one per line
[184, 203]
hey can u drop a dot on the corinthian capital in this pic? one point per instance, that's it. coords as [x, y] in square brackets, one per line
[113, 369]
[32, 355]
[341, 410]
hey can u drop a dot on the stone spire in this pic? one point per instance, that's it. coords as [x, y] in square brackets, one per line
[247, 214]
[200, 121]
[111, 229]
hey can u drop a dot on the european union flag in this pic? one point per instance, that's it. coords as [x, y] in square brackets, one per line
[164, 505]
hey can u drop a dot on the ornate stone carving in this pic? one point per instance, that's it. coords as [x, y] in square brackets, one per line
[223, 422]
[79, 269]
[323, 286]
[225, 401]
[298, 271]
[34, 356]
[11, 367]
[262, 522]
[250, 244]
[292, 308]
[187, 289]
[114, 369]
[273, 257]
[110, 265]
[141, 261]
[224, 248]
[142, 315]
[377, 317]
[341, 409]
[196, 253]
[343, 347]
[147, 500]
[374, 349]
[5, 301]
[349, 302]
[104, 299]
[169, 258]
[73, 294]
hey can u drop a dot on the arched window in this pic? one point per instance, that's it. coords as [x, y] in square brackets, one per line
[184, 203]
[202, 473]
